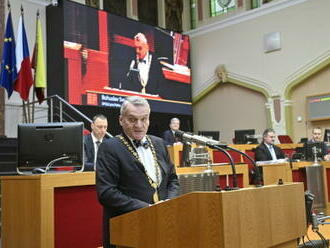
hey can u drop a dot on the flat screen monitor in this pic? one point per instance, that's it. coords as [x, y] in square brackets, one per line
[41, 143]
[326, 135]
[243, 136]
[210, 134]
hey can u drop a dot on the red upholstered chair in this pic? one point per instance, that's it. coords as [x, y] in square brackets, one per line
[284, 139]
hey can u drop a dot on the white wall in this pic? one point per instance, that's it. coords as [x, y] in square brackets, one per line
[238, 43]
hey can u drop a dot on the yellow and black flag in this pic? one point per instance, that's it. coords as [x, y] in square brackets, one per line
[38, 64]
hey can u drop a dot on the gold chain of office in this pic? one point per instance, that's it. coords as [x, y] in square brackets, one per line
[134, 152]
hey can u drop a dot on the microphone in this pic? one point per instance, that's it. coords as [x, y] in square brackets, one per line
[220, 147]
[200, 140]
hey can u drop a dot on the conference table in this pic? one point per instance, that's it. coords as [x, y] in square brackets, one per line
[62, 210]
[175, 152]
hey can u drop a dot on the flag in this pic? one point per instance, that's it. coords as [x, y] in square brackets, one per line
[38, 63]
[8, 62]
[23, 64]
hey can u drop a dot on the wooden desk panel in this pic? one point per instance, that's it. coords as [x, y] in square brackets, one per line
[223, 170]
[28, 209]
[273, 172]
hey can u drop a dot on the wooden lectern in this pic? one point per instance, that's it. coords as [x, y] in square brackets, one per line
[270, 216]
[273, 172]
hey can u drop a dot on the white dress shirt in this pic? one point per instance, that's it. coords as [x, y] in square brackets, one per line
[272, 151]
[148, 161]
[96, 147]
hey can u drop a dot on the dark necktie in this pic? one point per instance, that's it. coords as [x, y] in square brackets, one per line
[142, 61]
[98, 143]
[138, 143]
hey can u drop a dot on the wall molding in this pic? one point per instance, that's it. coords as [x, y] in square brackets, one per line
[234, 78]
[305, 72]
[244, 16]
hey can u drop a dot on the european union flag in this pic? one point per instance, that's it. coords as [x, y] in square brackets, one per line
[8, 62]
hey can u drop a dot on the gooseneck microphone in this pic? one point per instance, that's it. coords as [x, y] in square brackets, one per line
[200, 140]
[221, 147]
[214, 144]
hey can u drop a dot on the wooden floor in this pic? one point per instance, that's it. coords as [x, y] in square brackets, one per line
[323, 229]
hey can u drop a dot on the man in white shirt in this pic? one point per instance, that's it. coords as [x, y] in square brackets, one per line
[93, 140]
[169, 135]
[267, 150]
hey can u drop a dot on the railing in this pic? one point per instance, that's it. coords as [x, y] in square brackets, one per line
[59, 110]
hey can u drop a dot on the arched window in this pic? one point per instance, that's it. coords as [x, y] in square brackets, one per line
[218, 7]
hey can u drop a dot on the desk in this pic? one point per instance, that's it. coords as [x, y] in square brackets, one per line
[223, 170]
[51, 210]
[218, 157]
[299, 175]
[273, 172]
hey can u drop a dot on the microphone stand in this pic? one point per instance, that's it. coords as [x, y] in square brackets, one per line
[258, 177]
[235, 185]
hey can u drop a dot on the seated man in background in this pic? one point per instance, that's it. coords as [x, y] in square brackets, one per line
[267, 150]
[169, 135]
[317, 140]
[93, 140]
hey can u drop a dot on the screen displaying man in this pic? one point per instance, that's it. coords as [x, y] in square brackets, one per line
[133, 169]
[169, 135]
[267, 150]
[93, 140]
[321, 148]
[145, 70]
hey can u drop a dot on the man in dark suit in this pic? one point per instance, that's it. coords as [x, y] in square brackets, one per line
[145, 73]
[133, 169]
[317, 140]
[169, 135]
[267, 150]
[93, 140]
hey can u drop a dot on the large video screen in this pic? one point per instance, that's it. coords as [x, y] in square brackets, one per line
[108, 57]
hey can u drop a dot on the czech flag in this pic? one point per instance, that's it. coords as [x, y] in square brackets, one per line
[23, 64]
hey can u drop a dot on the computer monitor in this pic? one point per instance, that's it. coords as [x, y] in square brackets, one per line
[326, 135]
[41, 143]
[309, 150]
[210, 134]
[242, 136]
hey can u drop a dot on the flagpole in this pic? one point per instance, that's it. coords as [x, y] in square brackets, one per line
[25, 106]
[34, 56]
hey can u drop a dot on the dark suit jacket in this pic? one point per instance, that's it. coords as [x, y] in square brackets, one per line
[262, 153]
[154, 80]
[90, 152]
[169, 137]
[121, 183]
[309, 153]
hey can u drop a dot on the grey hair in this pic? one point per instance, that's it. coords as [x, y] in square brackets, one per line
[267, 131]
[174, 119]
[141, 37]
[99, 116]
[134, 100]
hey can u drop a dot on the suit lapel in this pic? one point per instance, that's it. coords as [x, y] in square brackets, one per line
[130, 149]
[269, 156]
[91, 144]
[158, 154]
